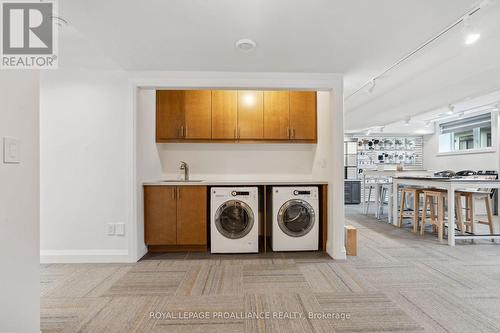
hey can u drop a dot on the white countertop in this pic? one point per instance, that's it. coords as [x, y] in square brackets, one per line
[395, 173]
[235, 182]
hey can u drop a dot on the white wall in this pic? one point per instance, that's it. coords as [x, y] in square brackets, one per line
[86, 165]
[231, 161]
[19, 198]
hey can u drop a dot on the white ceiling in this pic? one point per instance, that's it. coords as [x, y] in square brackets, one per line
[349, 36]
[356, 37]
[446, 72]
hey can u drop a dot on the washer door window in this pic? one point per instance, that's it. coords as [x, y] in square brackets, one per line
[296, 218]
[234, 219]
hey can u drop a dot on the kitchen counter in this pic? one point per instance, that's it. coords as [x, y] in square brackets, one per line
[235, 183]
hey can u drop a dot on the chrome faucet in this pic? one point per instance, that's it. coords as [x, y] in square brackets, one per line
[185, 167]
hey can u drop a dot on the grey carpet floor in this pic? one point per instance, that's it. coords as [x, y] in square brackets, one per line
[399, 282]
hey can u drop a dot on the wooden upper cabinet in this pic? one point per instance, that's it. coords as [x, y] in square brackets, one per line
[160, 223]
[224, 114]
[232, 115]
[169, 114]
[303, 115]
[198, 114]
[191, 215]
[276, 115]
[250, 115]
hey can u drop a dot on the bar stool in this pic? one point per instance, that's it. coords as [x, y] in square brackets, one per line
[414, 215]
[370, 188]
[378, 188]
[470, 197]
[385, 190]
[434, 201]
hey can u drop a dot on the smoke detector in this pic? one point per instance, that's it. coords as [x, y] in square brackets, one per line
[245, 44]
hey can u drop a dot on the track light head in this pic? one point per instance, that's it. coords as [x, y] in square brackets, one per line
[451, 109]
[371, 86]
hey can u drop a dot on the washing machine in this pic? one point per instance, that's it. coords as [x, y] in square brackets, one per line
[295, 218]
[234, 226]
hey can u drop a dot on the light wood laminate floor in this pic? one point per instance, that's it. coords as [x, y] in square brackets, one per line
[399, 282]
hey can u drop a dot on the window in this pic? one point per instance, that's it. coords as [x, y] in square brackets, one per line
[465, 134]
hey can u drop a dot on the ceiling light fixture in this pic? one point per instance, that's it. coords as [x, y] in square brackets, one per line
[407, 121]
[245, 44]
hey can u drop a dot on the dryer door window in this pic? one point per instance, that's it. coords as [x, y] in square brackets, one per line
[296, 218]
[234, 219]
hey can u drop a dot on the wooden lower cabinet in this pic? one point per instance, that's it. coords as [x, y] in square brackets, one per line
[192, 215]
[160, 222]
[175, 216]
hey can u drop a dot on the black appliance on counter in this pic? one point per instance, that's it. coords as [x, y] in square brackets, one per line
[445, 174]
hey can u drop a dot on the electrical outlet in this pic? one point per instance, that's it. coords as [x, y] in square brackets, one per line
[120, 229]
[110, 229]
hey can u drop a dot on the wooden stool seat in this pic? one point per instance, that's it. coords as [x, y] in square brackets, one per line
[434, 201]
[415, 192]
[470, 210]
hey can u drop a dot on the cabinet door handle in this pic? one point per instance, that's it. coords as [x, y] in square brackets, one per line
[174, 196]
[185, 131]
[239, 133]
[293, 131]
[288, 132]
[178, 193]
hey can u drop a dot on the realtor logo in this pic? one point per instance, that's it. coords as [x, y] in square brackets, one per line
[28, 35]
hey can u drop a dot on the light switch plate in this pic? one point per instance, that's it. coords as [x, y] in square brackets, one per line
[11, 150]
[120, 229]
[110, 229]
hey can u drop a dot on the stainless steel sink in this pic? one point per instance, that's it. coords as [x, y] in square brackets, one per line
[182, 181]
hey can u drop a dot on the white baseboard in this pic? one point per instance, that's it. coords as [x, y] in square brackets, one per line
[142, 252]
[84, 256]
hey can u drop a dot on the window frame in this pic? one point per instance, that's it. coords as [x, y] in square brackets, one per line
[494, 133]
